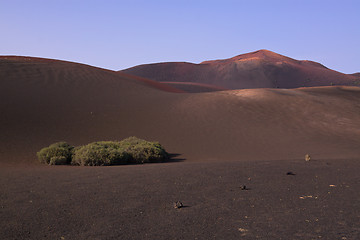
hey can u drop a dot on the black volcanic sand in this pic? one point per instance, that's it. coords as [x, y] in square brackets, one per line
[320, 200]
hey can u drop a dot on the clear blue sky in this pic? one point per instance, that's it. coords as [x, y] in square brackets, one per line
[120, 34]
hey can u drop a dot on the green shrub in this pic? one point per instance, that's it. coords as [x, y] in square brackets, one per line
[142, 151]
[56, 154]
[100, 154]
[58, 160]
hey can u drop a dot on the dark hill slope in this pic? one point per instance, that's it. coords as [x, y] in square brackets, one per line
[44, 101]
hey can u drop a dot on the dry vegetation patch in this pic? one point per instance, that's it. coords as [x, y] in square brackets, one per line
[104, 153]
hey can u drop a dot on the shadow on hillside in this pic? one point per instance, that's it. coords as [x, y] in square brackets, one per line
[175, 157]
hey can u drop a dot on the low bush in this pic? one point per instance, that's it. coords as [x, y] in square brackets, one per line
[142, 151]
[58, 160]
[100, 154]
[56, 154]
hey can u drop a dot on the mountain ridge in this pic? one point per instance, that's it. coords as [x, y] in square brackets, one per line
[259, 69]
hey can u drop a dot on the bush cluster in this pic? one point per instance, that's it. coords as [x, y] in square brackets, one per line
[56, 154]
[128, 151]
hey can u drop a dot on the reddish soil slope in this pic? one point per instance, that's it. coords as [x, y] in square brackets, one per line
[191, 87]
[260, 69]
[43, 101]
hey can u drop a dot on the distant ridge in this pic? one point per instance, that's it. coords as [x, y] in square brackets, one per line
[259, 69]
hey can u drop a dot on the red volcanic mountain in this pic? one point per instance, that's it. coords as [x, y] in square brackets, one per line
[260, 69]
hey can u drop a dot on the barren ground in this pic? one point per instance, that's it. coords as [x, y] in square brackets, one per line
[220, 141]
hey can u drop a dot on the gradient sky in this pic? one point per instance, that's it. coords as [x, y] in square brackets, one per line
[121, 34]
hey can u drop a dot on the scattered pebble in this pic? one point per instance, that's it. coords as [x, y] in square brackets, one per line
[290, 173]
[243, 187]
[308, 196]
[178, 205]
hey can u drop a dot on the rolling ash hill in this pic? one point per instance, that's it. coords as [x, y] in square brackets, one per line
[43, 101]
